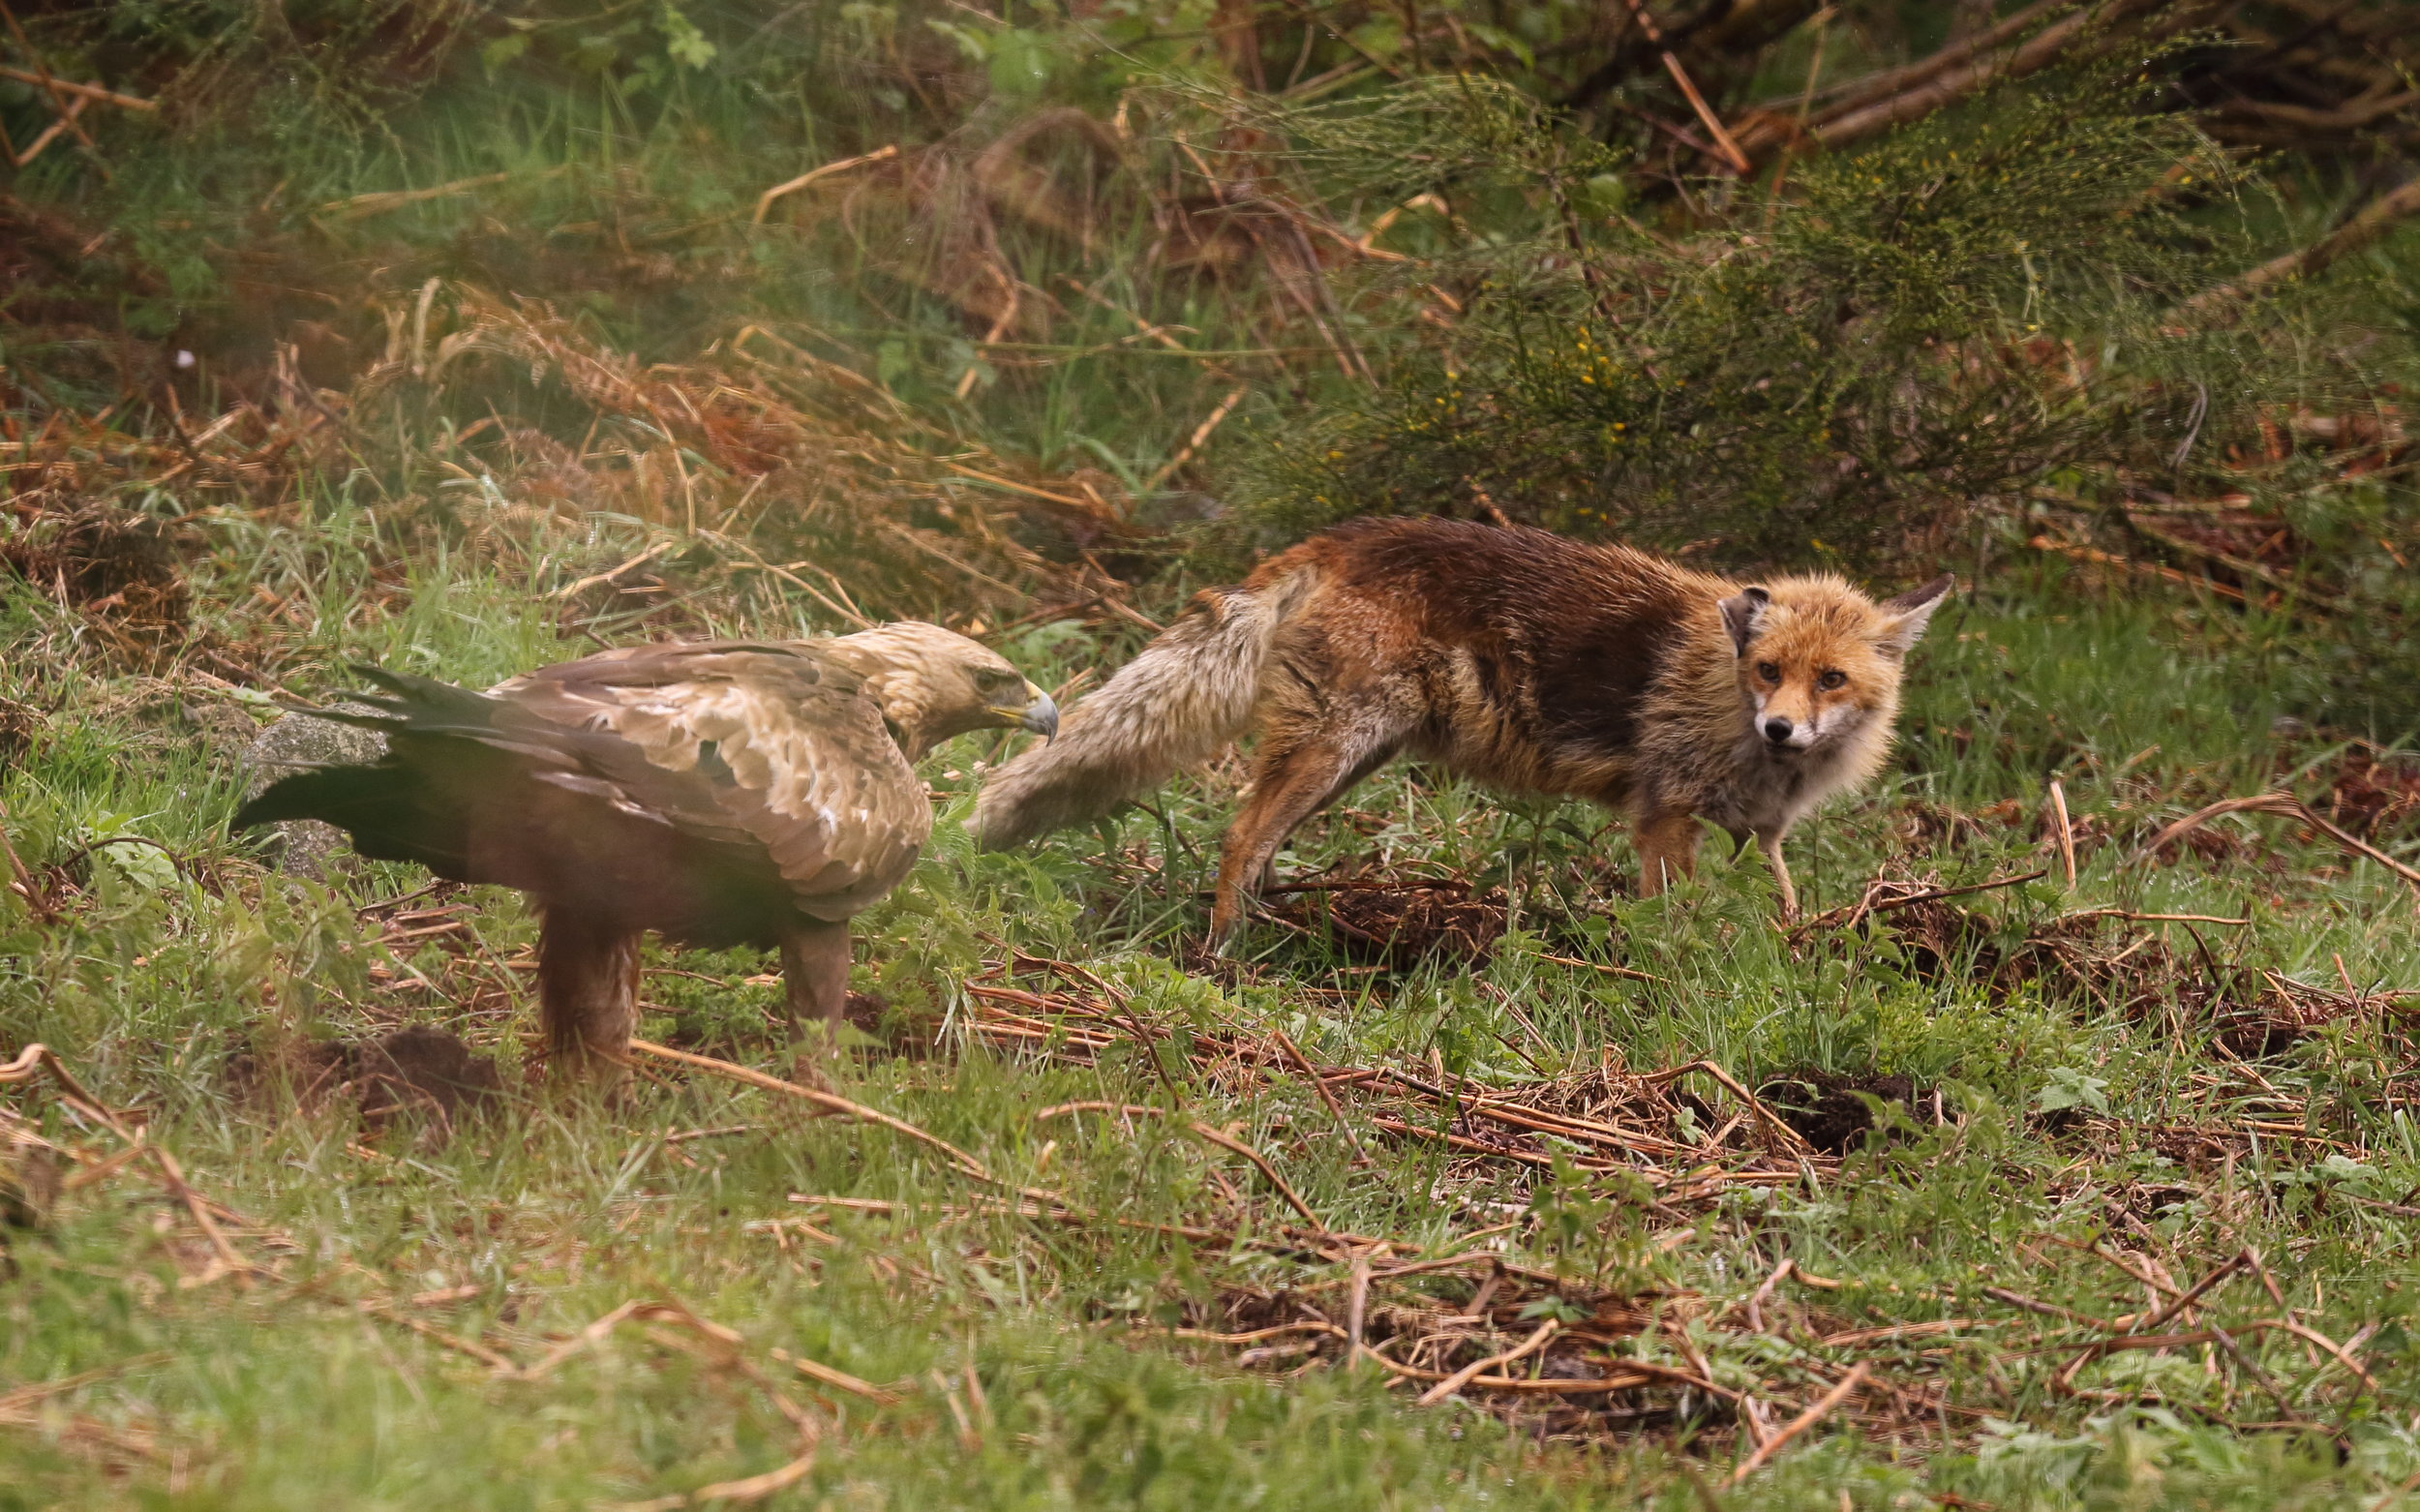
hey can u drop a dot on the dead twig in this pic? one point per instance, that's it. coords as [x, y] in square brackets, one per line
[1873, 902]
[2290, 807]
[1471, 1372]
[1774, 1121]
[1326, 1097]
[825, 1101]
[1729, 149]
[1194, 442]
[765, 200]
[2066, 831]
[1201, 1130]
[1803, 1422]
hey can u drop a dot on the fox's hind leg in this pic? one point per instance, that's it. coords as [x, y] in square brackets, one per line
[1292, 783]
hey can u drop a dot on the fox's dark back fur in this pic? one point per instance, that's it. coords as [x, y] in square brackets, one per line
[1517, 658]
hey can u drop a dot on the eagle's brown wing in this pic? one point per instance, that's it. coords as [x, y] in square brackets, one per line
[758, 747]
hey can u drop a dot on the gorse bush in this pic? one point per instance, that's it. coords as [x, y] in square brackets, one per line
[1861, 348]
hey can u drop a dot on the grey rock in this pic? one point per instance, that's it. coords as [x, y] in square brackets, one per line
[306, 847]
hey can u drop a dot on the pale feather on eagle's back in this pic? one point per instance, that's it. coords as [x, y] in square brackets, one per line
[814, 776]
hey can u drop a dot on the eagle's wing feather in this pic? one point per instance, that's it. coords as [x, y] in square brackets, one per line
[770, 746]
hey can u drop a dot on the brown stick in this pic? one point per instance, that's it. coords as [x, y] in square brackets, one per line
[2019, 1299]
[1803, 1422]
[2039, 52]
[2187, 1298]
[1611, 971]
[454, 1341]
[579, 1341]
[1730, 148]
[2251, 1367]
[1328, 1097]
[2067, 831]
[1464, 1376]
[1756, 1299]
[20, 879]
[2127, 563]
[823, 1100]
[1195, 442]
[756, 1487]
[19, 1398]
[837, 1379]
[50, 86]
[88, 91]
[1866, 905]
[2350, 237]
[765, 200]
[2312, 1335]
[1203, 1131]
[1772, 1120]
[1858, 93]
[2277, 804]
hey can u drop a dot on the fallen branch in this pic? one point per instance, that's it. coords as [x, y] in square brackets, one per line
[2277, 804]
[2350, 237]
[838, 1379]
[1729, 148]
[1194, 442]
[1772, 1120]
[1219, 1137]
[2129, 564]
[765, 200]
[87, 91]
[1948, 84]
[825, 1101]
[1610, 971]
[1873, 902]
[1803, 1422]
[1471, 1372]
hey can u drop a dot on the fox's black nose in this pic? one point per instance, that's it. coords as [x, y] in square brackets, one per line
[1778, 730]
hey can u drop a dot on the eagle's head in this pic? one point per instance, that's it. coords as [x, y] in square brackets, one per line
[933, 683]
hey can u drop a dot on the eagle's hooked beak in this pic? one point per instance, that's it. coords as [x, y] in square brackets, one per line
[1042, 716]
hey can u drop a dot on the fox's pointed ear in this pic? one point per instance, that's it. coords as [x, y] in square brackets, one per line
[1742, 612]
[1909, 614]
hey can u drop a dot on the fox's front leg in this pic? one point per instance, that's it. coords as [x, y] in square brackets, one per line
[1769, 842]
[1666, 840]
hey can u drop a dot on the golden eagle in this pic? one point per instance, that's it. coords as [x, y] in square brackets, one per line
[721, 793]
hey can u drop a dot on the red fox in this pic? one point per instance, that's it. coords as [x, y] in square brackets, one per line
[1523, 660]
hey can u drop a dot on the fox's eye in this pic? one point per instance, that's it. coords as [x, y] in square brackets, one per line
[1768, 672]
[1832, 680]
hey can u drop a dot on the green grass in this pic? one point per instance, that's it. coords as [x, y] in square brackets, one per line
[282, 1390]
[1030, 1362]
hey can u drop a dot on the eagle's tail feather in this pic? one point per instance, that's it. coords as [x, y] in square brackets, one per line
[351, 797]
[380, 803]
[1190, 693]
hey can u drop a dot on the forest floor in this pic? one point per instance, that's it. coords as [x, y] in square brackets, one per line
[1980, 1187]
[2063, 1155]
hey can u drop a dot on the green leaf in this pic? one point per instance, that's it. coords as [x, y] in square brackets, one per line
[496, 54]
[2071, 1088]
[688, 45]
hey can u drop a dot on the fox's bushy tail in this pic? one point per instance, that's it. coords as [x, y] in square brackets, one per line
[1189, 694]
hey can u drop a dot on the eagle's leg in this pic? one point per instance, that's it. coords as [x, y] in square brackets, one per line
[815, 976]
[588, 996]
